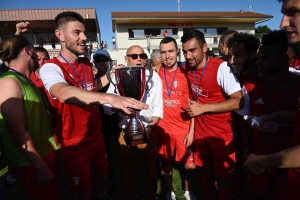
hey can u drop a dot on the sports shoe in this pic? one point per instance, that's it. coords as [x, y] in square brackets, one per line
[15, 188]
[171, 196]
[189, 195]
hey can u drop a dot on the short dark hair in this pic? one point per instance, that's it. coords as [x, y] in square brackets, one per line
[250, 42]
[276, 39]
[226, 35]
[65, 17]
[191, 34]
[11, 46]
[168, 40]
[41, 49]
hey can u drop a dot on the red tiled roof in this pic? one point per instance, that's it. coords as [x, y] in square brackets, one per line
[240, 14]
[42, 14]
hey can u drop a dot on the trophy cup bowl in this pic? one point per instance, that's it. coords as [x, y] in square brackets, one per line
[131, 82]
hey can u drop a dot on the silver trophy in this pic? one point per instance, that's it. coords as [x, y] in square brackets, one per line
[131, 82]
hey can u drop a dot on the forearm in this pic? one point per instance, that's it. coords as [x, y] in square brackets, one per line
[24, 142]
[288, 115]
[76, 96]
[224, 106]
[288, 158]
[192, 123]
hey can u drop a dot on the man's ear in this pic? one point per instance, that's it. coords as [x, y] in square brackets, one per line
[60, 35]
[224, 44]
[126, 59]
[205, 47]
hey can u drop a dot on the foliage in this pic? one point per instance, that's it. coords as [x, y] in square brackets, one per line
[263, 29]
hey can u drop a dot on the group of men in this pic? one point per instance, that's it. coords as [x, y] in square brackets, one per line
[193, 111]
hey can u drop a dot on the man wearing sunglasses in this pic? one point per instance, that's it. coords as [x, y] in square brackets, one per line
[147, 153]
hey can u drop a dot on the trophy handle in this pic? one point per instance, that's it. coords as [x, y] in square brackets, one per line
[108, 72]
[150, 72]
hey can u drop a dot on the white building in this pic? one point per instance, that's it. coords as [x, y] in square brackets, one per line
[146, 28]
[42, 25]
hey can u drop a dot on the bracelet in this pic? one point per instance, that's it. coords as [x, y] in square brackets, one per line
[42, 170]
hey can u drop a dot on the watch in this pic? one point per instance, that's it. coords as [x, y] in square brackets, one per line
[150, 126]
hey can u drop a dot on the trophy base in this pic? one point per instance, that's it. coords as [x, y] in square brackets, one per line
[135, 139]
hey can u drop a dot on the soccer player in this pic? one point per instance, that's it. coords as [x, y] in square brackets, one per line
[71, 86]
[288, 158]
[223, 45]
[275, 100]
[176, 129]
[27, 142]
[242, 48]
[215, 92]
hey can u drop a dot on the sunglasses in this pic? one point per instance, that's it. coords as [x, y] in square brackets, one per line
[99, 59]
[143, 56]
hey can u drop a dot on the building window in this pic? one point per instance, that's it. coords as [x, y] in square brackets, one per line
[211, 31]
[152, 32]
[215, 40]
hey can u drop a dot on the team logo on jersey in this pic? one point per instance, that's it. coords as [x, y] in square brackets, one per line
[90, 86]
[175, 84]
[171, 103]
[200, 91]
[76, 180]
[230, 171]
[259, 101]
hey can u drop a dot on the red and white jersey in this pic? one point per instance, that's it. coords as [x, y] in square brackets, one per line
[217, 84]
[294, 173]
[296, 62]
[175, 120]
[265, 100]
[248, 83]
[73, 124]
[38, 83]
[296, 139]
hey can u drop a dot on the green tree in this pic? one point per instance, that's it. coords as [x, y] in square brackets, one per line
[263, 29]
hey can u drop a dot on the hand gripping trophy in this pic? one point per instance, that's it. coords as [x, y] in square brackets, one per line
[131, 82]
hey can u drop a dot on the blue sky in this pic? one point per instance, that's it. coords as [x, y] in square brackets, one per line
[105, 7]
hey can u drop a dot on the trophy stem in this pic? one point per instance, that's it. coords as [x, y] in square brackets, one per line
[136, 131]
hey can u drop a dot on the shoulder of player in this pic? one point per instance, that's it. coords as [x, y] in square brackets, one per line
[216, 63]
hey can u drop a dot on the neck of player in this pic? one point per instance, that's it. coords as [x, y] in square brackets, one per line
[22, 69]
[68, 55]
[280, 78]
[171, 68]
[203, 62]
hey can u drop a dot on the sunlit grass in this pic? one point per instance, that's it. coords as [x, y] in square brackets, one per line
[3, 171]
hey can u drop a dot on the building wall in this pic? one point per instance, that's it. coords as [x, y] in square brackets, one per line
[151, 43]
